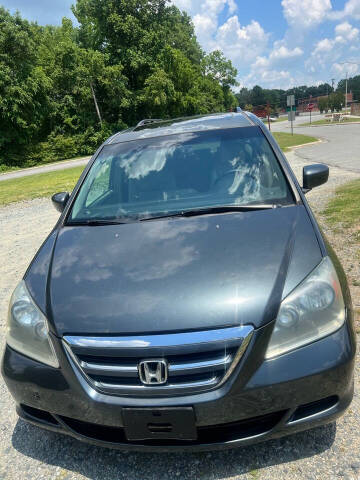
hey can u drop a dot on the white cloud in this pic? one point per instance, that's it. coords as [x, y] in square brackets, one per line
[205, 16]
[330, 52]
[282, 52]
[323, 46]
[351, 9]
[341, 69]
[269, 78]
[303, 14]
[346, 33]
[205, 28]
[241, 43]
[296, 58]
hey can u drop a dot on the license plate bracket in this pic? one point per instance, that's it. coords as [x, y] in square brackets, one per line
[177, 423]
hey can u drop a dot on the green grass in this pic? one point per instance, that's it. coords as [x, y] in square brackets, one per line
[286, 140]
[39, 185]
[343, 213]
[344, 208]
[326, 121]
[280, 119]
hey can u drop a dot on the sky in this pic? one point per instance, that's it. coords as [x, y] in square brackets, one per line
[272, 43]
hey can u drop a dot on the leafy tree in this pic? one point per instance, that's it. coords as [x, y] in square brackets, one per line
[248, 107]
[353, 86]
[23, 86]
[336, 101]
[64, 89]
[323, 104]
[216, 66]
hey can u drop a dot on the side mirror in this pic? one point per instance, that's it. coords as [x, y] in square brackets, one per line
[60, 200]
[314, 175]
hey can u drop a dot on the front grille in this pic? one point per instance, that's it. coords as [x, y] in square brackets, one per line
[196, 361]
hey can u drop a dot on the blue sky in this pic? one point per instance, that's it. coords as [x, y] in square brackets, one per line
[273, 43]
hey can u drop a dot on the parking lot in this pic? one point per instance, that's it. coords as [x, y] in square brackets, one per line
[27, 452]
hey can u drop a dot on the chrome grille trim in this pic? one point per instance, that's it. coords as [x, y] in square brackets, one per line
[195, 340]
[197, 361]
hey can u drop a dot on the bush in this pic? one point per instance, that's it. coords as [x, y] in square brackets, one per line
[62, 147]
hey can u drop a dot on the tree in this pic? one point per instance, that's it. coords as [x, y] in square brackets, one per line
[64, 89]
[323, 104]
[258, 96]
[336, 101]
[216, 66]
[23, 87]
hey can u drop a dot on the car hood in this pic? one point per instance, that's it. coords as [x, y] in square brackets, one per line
[173, 274]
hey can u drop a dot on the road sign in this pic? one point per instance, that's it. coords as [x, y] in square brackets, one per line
[291, 115]
[290, 100]
[310, 106]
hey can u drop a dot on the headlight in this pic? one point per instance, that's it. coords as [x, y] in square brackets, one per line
[27, 329]
[313, 310]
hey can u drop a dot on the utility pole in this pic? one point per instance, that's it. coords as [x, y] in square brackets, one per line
[346, 85]
[332, 83]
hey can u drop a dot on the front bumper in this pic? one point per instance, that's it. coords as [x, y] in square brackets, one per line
[305, 388]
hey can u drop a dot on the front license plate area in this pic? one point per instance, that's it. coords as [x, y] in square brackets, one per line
[176, 423]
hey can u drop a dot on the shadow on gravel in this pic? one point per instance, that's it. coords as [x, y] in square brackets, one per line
[102, 464]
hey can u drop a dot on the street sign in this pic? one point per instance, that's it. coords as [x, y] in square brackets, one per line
[310, 106]
[290, 100]
[291, 115]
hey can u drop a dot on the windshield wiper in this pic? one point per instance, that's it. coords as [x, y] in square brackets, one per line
[98, 222]
[213, 210]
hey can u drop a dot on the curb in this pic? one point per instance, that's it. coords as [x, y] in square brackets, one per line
[327, 124]
[306, 144]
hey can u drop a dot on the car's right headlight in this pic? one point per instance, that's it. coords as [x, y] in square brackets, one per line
[27, 329]
[313, 310]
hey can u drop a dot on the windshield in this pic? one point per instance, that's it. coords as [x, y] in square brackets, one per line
[176, 173]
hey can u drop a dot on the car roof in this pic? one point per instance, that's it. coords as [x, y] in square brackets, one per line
[159, 128]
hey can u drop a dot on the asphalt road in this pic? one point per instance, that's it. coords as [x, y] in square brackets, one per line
[340, 145]
[45, 168]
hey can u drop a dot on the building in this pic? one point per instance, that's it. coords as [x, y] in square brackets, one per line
[304, 102]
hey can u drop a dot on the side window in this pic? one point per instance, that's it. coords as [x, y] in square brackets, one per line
[100, 185]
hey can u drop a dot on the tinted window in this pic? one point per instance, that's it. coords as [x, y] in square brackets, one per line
[180, 172]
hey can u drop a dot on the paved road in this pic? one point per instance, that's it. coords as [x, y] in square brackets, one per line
[340, 147]
[45, 168]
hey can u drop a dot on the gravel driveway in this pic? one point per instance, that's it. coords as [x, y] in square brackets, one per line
[27, 452]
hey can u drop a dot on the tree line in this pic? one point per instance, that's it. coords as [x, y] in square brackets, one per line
[64, 89]
[276, 98]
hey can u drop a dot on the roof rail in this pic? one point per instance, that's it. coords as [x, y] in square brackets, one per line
[147, 121]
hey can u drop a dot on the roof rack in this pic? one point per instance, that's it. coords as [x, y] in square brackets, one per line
[147, 121]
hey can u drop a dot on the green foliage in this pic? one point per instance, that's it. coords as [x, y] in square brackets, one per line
[258, 96]
[336, 101]
[323, 104]
[353, 86]
[64, 89]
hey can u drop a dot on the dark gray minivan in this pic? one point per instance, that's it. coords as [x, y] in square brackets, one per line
[185, 299]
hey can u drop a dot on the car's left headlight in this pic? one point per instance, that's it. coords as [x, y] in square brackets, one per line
[313, 310]
[27, 328]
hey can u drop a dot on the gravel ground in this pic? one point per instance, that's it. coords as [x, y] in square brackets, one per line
[27, 452]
